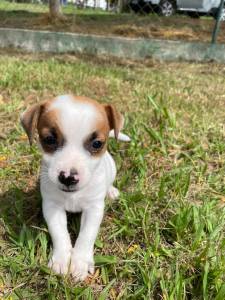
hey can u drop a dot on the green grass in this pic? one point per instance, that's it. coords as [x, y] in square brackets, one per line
[164, 237]
[43, 8]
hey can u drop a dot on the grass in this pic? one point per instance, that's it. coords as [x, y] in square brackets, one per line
[164, 237]
[96, 21]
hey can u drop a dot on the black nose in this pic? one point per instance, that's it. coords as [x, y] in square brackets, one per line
[70, 180]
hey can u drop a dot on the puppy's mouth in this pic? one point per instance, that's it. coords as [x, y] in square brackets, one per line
[68, 189]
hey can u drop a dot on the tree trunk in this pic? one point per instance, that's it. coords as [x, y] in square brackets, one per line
[55, 9]
[121, 6]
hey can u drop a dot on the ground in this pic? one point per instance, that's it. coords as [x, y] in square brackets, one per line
[164, 237]
[31, 16]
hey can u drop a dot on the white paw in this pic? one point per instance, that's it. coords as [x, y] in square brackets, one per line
[80, 266]
[60, 262]
[113, 193]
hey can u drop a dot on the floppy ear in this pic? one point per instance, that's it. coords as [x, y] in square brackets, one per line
[29, 119]
[115, 119]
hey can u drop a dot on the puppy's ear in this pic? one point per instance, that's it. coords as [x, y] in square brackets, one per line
[115, 119]
[29, 119]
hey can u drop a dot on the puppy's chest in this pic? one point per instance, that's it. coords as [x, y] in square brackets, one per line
[75, 203]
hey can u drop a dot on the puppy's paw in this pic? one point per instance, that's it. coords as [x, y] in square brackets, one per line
[81, 266]
[60, 262]
[113, 193]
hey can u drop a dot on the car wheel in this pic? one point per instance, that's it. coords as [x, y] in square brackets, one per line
[166, 8]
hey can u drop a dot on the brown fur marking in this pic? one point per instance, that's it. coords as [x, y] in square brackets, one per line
[49, 125]
[115, 119]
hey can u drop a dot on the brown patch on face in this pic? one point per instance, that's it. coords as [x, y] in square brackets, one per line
[96, 142]
[113, 119]
[99, 107]
[50, 135]
[46, 122]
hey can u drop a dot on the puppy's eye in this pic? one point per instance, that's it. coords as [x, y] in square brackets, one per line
[50, 140]
[97, 145]
[94, 144]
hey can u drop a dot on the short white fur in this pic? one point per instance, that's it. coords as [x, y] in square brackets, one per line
[96, 176]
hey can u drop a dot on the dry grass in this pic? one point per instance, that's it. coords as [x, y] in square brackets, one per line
[178, 27]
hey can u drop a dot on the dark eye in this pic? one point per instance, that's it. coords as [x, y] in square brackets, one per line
[50, 140]
[97, 145]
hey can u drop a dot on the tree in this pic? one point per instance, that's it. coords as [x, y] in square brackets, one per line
[55, 10]
[122, 6]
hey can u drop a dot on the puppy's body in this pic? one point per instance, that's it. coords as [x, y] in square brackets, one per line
[89, 201]
[76, 175]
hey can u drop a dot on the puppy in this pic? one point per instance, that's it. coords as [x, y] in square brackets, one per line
[77, 173]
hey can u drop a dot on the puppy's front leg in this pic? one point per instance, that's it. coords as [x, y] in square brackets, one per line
[56, 220]
[82, 259]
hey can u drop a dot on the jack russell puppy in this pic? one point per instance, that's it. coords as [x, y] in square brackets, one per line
[77, 173]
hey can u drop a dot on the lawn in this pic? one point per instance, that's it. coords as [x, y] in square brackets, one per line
[96, 21]
[164, 237]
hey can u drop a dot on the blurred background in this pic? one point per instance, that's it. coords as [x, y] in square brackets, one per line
[188, 20]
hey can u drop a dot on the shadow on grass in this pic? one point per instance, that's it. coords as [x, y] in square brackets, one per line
[20, 208]
[18, 14]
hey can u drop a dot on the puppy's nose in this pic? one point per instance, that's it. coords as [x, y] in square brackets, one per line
[72, 179]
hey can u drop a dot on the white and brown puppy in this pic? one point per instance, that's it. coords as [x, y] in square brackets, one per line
[77, 173]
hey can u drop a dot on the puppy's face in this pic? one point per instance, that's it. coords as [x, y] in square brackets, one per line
[73, 133]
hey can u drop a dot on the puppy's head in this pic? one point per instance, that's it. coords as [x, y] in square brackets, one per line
[73, 133]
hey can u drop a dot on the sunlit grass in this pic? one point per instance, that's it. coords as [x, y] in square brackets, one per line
[164, 237]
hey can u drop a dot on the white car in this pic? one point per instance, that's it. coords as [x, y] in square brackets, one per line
[169, 7]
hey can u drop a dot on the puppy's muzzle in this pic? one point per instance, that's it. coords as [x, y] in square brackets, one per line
[69, 182]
